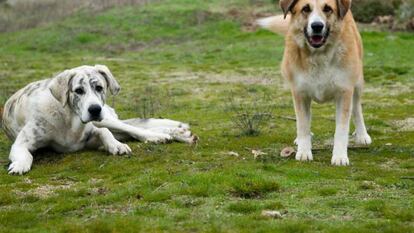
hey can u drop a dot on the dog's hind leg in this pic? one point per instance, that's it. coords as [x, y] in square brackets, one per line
[178, 130]
[361, 135]
[123, 131]
[147, 130]
[152, 123]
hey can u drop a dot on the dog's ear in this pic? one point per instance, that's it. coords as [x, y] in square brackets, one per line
[343, 7]
[287, 6]
[60, 86]
[113, 85]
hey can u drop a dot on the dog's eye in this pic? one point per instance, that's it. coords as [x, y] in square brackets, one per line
[79, 91]
[306, 9]
[98, 88]
[327, 9]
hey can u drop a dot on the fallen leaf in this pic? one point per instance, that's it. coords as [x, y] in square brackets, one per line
[232, 153]
[257, 153]
[287, 152]
[271, 214]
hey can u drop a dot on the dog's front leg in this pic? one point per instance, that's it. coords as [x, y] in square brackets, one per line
[343, 117]
[361, 135]
[303, 122]
[20, 156]
[109, 142]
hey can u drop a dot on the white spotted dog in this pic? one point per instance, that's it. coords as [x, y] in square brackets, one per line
[322, 62]
[68, 113]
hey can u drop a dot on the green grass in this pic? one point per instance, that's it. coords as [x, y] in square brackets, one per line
[199, 55]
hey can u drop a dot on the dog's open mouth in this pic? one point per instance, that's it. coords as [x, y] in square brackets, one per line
[317, 40]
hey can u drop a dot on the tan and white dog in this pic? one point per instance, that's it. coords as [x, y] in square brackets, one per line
[322, 62]
[68, 113]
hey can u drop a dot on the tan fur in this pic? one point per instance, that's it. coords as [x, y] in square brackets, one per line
[277, 24]
[331, 72]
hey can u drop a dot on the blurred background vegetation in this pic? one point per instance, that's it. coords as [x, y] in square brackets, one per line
[22, 14]
[394, 14]
[397, 14]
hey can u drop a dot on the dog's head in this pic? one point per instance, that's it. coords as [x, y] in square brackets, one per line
[84, 89]
[315, 21]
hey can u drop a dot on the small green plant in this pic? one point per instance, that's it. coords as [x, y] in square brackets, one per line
[252, 187]
[148, 101]
[329, 191]
[250, 114]
[243, 207]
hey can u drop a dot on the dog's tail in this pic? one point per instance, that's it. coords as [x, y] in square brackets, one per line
[277, 24]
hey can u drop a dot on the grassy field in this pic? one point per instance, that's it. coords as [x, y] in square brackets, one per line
[193, 58]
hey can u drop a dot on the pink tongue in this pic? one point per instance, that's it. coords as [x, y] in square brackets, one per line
[316, 39]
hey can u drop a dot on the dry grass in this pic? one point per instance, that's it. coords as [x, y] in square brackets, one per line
[23, 14]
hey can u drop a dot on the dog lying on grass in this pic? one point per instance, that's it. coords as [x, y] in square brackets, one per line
[68, 113]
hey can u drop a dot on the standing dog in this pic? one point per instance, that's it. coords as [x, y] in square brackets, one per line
[68, 113]
[322, 62]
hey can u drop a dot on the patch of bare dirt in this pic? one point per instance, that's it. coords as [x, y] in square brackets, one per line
[247, 17]
[266, 77]
[45, 191]
[136, 46]
[394, 90]
[22, 14]
[98, 191]
[117, 209]
[390, 165]
[404, 125]
[94, 181]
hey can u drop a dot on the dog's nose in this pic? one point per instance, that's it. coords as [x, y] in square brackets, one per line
[317, 27]
[95, 110]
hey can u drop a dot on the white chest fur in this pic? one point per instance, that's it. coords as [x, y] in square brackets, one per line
[324, 78]
[322, 84]
[74, 137]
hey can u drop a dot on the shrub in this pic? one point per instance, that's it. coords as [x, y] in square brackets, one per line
[146, 101]
[406, 10]
[251, 114]
[405, 15]
[366, 11]
[253, 187]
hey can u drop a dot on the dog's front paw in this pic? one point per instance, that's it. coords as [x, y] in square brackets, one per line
[158, 138]
[340, 160]
[19, 167]
[304, 155]
[119, 149]
[362, 139]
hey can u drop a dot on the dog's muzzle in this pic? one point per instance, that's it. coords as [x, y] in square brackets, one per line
[95, 112]
[318, 37]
